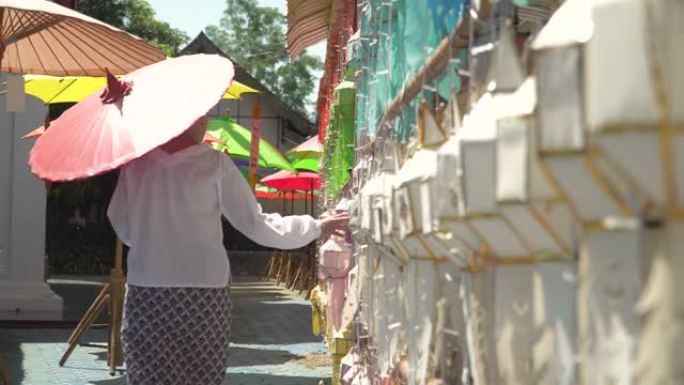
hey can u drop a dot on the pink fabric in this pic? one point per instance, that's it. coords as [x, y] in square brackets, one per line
[96, 136]
[311, 145]
[335, 264]
[116, 89]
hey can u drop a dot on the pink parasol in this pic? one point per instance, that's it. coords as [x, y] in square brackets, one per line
[311, 146]
[131, 117]
[209, 138]
[37, 133]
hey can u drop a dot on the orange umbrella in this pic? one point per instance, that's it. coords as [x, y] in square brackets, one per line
[134, 115]
[42, 37]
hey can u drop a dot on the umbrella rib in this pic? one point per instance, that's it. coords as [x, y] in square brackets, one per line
[122, 49]
[79, 27]
[16, 48]
[15, 23]
[143, 48]
[140, 47]
[78, 62]
[68, 31]
[53, 51]
[3, 13]
[40, 60]
[55, 96]
[22, 33]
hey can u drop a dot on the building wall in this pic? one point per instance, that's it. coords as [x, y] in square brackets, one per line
[23, 291]
[273, 126]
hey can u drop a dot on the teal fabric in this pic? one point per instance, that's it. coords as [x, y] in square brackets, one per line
[396, 38]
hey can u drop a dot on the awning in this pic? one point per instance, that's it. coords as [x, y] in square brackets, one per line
[307, 23]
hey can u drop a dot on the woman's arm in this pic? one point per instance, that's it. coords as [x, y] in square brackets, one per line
[240, 207]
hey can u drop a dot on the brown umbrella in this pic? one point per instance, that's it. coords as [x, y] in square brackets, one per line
[42, 37]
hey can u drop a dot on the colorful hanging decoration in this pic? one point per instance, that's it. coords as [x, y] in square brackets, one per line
[254, 144]
[339, 144]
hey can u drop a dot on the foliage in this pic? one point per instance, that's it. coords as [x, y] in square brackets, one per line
[254, 37]
[138, 18]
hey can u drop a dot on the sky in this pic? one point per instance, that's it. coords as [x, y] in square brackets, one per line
[193, 16]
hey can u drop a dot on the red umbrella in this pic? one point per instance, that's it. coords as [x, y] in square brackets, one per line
[131, 117]
[285, 195]
[286, 180]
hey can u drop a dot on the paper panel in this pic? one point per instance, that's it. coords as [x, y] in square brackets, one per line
[512, 160]
[479, 176]
[560, 114]
[554, 353]
[536, 235]
[514, 329]
[646, 168]
[618, 83]
[573, 176]
[609, 288]
[500, 237]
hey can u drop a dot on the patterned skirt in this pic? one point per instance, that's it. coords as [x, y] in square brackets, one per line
[176, 336]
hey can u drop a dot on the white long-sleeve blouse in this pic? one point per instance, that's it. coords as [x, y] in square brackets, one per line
[166, 208]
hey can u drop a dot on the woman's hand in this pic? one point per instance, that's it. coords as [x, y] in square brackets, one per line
[337, 224]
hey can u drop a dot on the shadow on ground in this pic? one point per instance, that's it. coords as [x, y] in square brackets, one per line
[268, 379]
[271, 333]
[240, 356]
[238, 379]
[25, 350]
[270, 319]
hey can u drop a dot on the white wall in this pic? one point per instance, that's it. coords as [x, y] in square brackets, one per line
[22, 221]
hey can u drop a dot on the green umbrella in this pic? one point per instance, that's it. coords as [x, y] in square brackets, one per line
[306, 163]
[237, 141]
[245, 172]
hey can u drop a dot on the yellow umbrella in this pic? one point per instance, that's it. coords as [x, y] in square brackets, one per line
[73, 89]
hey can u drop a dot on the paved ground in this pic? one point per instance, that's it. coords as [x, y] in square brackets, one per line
[271, 344]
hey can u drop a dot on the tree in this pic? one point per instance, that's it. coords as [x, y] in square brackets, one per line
[254, 37]
[138, 18]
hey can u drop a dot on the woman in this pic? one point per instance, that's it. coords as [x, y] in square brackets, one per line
[167, 208]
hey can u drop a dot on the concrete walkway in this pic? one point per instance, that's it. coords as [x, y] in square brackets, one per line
[271, 344]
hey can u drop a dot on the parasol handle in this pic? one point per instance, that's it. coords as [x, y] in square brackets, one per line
[118, 255]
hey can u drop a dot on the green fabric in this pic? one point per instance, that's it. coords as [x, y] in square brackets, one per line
[338, 156]
[238, 139]
[306, 163]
